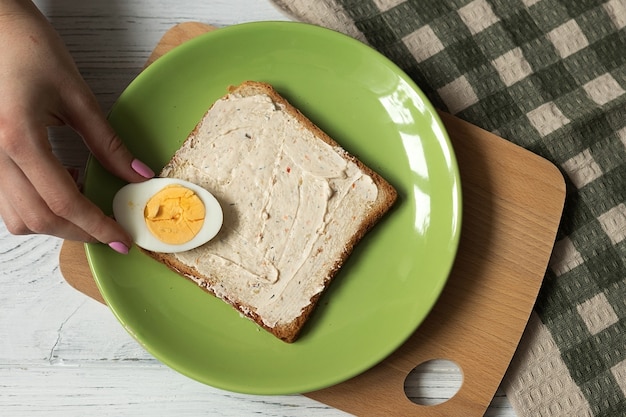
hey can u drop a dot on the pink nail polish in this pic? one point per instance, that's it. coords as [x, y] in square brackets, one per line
[119, 247]
[142, 169]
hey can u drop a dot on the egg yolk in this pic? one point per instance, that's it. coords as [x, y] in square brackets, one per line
[174, 215]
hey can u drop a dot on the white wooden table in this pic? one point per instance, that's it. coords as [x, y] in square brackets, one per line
[63, 354]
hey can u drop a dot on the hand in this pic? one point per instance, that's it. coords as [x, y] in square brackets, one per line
[40, 87]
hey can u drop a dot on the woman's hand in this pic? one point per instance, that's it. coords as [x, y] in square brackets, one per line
[40, 86]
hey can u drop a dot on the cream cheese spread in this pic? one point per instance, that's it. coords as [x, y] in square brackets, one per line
[291, 203]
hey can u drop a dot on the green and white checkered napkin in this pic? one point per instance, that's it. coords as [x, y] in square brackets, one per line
[549, 75]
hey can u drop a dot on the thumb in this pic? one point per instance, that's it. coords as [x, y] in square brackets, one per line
[83, 114]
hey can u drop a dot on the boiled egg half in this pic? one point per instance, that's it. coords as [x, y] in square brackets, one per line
[167, 215]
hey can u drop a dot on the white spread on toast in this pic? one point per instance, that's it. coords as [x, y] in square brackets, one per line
[291, 203]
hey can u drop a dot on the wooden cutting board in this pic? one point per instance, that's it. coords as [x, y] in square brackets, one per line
[512, 204]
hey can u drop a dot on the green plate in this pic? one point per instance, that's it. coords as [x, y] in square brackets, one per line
[394, 276]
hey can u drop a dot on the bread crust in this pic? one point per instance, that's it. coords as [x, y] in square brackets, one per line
[386, 197]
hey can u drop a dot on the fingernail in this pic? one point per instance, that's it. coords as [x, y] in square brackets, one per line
[119, 247]
[141, 168]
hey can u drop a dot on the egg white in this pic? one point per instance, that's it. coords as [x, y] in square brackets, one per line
[128, 208]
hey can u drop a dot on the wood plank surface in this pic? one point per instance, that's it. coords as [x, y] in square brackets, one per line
[512, 203]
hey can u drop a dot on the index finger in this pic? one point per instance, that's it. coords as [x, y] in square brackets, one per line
[57, 189]
[83, 114]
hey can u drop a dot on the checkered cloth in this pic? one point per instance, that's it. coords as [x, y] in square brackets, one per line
[549, 75]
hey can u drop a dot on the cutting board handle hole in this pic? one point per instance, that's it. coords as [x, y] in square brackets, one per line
[433, 382]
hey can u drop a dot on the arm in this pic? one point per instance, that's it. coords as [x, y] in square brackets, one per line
[40, 87]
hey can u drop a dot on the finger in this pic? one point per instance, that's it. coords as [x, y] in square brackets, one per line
[83, 114]
[12, 221]
[24, 211]
[53, 183]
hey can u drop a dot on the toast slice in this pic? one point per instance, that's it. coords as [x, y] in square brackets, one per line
[295, 205]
